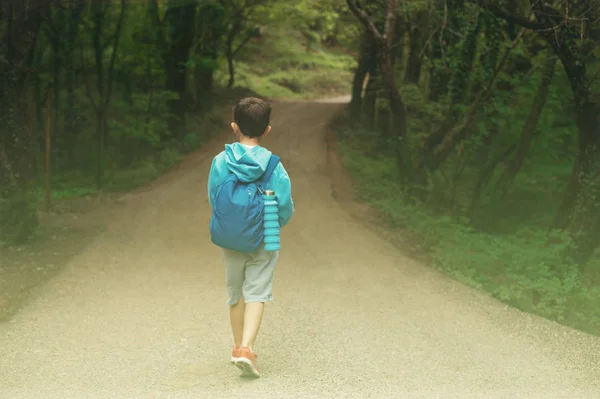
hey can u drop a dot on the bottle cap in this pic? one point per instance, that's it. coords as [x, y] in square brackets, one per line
[269, 192]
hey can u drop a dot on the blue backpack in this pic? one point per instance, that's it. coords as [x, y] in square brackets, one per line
[238, 209]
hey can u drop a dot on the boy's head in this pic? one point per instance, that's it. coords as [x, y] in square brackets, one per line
[251, 117]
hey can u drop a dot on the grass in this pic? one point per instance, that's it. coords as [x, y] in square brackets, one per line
[509, 260]
[281, 66]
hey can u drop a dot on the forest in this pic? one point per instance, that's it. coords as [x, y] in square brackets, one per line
[474, 124]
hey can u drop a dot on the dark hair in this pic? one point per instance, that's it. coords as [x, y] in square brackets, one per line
[252, 115]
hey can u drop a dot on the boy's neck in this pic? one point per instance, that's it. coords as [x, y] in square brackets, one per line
[249, 141]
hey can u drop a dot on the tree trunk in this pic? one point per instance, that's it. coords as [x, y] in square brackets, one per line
[485, 175]
[71, 130]
[231, 72]
[529, 129]
[416, 43]
[581, 202]
[98, 23]
[383, 125]
[211, 25]
[442, 44]
[180, 20]
[584, 223]
[104, 79]
[457, 84]
[397, 107]
[388, 77]
[579, 213]
[370, 100]
[460, 131]
[229, 48]
[18, 216]
[561, 219]
[364, 62]
[57, 67]
[230, 52]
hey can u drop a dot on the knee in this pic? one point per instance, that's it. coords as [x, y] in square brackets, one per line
[234, 299]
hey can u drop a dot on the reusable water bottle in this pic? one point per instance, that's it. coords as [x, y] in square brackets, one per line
[271, 221]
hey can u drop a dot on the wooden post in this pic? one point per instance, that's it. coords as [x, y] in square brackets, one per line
[48, 151]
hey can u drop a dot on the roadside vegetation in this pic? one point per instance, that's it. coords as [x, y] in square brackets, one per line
[478, 131]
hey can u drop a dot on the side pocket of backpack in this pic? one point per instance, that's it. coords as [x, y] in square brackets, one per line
[216, 208]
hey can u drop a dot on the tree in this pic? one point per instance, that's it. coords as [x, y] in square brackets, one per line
[529, 128]
[384, 44]
[243, 26]
[208, 48]
[18, 40]
[579, 213]
[104, 74]
[366, 59]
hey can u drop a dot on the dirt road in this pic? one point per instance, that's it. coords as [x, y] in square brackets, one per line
[141, 313]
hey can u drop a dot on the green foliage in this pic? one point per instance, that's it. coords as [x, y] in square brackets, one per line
[517, 266]
[280, 66]
[461, 64]
[318, 21]
[141, 129]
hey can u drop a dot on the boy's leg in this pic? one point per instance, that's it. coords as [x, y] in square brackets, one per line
[236, 315]
[235, 264]
[258, 287]
[252, 320]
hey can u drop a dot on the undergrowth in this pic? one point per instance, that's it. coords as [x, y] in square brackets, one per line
[136, 157]
[282, 66]
[513, 264]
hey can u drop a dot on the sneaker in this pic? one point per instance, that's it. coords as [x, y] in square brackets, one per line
[234, 353]
[246, 361]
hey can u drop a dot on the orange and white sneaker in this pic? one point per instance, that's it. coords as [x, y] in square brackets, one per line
[246, 361]
[235, 353]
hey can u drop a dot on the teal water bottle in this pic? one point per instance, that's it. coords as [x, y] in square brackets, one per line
[271, 221]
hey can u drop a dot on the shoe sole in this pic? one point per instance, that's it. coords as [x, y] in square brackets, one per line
[248, 369]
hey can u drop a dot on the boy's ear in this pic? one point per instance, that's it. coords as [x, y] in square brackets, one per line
[236, 128]
[267, 131]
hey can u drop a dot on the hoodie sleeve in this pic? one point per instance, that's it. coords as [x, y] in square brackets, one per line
[283, 192]
[212, 182]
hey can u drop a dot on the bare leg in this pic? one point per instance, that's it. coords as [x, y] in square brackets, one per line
[236, 315]
[252, 319]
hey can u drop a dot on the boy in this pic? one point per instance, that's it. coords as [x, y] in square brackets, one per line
[249, 275]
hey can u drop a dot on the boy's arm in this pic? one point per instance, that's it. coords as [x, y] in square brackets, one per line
[283, 192]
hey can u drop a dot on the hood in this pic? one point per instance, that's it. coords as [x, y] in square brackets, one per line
[247, 163]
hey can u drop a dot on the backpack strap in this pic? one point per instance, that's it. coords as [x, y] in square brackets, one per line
[270, 168]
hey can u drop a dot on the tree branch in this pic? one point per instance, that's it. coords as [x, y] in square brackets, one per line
[113, 56]
[390, 21]
[249, 36]
[366, 20]
[507, 16]
[86, 79]
[444, 25]
[459, 131]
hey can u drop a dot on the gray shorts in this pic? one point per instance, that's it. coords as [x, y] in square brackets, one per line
[250, 275]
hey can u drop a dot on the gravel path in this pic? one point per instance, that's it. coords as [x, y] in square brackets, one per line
[141, 313]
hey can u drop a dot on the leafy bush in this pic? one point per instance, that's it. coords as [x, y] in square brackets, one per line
[138, 132]
[517, 267]
[280, 66]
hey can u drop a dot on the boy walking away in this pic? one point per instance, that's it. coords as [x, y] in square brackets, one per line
[238, 177]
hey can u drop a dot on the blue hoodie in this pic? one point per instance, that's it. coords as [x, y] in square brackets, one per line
[249, 163]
